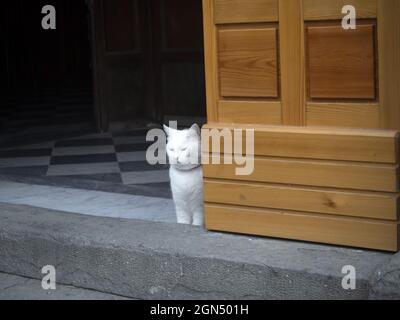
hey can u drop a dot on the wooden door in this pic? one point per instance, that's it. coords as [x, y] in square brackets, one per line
[323, 103]
[149, 58]
[290, 62]
[122, 60]
[178, 52]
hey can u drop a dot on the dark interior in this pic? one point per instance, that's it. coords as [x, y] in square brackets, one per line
[120, 60]
[46, 74]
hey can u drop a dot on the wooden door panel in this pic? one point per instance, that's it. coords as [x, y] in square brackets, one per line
[182, 30]
[256, 112]
[342, 203]
[354, 232]
[242, 61]
[178, 58]
[369, 146]
[236, 11]
[121, 25]
[332, 9]
[341, 63]
[312, 173]
[121, 59]
[248, 64]
[354, 115]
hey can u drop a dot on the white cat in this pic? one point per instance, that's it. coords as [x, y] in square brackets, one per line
[186, 174]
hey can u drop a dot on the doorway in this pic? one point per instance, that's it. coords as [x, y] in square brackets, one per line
[45, 74]
[149, 58]
[141, 62]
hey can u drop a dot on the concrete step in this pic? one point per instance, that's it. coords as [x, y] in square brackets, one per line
[21, 288]
[152, 260]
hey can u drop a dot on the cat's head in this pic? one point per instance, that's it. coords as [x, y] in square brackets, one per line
[184, 147]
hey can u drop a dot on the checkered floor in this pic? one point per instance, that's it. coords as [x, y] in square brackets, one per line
[111, 157]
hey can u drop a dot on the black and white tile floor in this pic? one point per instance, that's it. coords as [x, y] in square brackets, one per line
[109, 157]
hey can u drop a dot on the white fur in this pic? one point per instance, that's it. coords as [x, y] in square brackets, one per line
[186, 174]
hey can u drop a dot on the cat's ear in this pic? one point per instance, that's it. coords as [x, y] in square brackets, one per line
[195, 129]
[167, 130]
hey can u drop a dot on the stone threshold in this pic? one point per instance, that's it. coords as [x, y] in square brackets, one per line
[151, 260]
[86, 184]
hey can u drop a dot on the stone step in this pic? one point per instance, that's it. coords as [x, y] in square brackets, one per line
[21, 288]
[152, 260]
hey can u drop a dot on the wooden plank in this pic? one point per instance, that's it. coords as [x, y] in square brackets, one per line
[311, 173]
[291, 39]
[239, 11]
[332, 9]
[318, 200]
[210, 60]
[247, 60]
[389, 62]
[321, 143]
[341, 63]
[356, 232]
[261, 112]
[349, 115]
